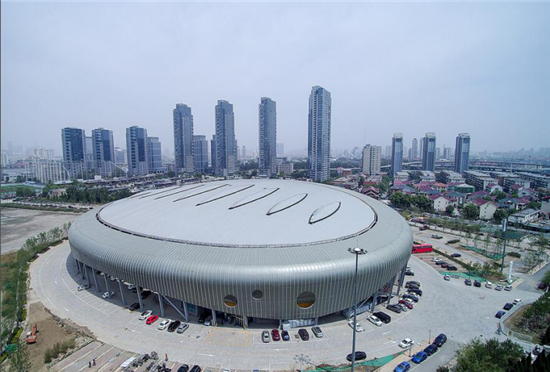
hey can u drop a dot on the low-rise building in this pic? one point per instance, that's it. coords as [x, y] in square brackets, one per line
[493, 188]
[536, 180]
[285, 168]
[401, 176]
[448, 176]
[525, 216]
[487, 210]
[440, 203]
[479, 180]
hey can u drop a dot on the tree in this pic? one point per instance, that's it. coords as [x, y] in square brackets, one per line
[19, 360]
[471, 212]
[449, 210]
[499, 215]
[490, 355]
[499, 195]
[545, 339]
[546, 278]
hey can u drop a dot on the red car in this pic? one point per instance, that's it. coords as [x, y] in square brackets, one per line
[275, 335]
[406, 303]
[152, 319]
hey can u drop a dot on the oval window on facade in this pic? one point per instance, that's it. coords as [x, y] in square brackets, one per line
[257, 294]
[230, 300]
[305, 300]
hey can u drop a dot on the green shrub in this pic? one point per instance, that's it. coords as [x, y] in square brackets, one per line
[16, 336]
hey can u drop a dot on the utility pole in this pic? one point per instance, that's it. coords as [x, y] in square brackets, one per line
[505, 231]
[356, 251]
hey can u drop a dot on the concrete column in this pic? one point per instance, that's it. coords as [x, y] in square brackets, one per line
[214, 320]
[161, 305]
[85, 274]
[107, 286]
[391, 290]
[139, 298]
[95, 279]
[280, 323]
[77, 266]
[245, 322]
[185, 311]
[317, 320]
[401, 279]
[121, 292]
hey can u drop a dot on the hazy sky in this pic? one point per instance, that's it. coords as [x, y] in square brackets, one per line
[482, 68]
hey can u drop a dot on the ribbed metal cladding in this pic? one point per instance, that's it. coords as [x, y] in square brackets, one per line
[204, 275]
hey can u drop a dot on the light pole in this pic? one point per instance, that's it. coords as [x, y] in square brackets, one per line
[505, 231]
[356, 251]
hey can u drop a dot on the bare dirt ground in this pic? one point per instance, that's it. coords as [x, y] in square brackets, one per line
[18, 225]
[51, 330]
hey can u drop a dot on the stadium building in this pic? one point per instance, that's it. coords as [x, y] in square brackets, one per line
[251, 249]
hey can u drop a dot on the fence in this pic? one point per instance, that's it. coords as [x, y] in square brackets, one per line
[513, 334]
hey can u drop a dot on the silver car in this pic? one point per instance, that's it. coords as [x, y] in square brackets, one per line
[182, 327]
[317, 332]
[265, 336]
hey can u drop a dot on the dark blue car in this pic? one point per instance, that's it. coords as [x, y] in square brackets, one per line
[402, 367]
[419, 357]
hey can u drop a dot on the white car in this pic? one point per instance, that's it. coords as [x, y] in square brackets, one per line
[83, 287]
[489, 285]
[436, 259]
[106, 294]
[374, 320]
[113, 278]
[358, 327]
[508, 288]
[406, 343]
[164, 324]
[146, 314]
[131, 286]
[517, 301]
[208, 322]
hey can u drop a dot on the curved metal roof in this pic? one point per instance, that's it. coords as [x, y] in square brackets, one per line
[243, 213]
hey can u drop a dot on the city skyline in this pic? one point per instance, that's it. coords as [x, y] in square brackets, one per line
[439, 88]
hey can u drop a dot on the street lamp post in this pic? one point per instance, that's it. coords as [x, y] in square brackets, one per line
[356, 251]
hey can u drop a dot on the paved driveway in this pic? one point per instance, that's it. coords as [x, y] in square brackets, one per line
[446, 307]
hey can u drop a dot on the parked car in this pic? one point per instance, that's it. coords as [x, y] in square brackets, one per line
[436, 259]
[317, 332]
[385, 318]
[508, 306]
[456, 255]
[83, 287]
[431, 349]
[489, 285]
[394, 308]
[440, 340]
[358, 327]
[359, 355]
[440, 262]
[146, 314]
[419, 357]
[275, 335]
[304, 335]
[542, 286]
[183, 368]
[422, 228]
[374, 320]
[208, 321]
[406, 343]
[106, 294]
[134, 306]
[152, 319]
[163, 325]
[265, 336]
[452, 268]
[402, 367]
[445, 265]
[477, 283]
[112, 278]
[285, 336]
[174, 325]
[409, 273]
[133, 286]
[145, 294]
[447, 277]
[498, 288]
[468, 282]
[406, 303]
[410, 296]
[435, 236]
[196, 368]
[517, 301]
[508, 288]
[182, 327]
[416, 291]
[500, 314]
[203, 317]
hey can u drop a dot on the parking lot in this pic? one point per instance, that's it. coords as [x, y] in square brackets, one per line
[447, 307]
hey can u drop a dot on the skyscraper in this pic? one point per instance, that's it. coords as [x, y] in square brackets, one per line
[421, 153]
[428, 159]
[397, 153]
[280, 149]
[226, 152]
[137, 148]
[200, 154]
[183, 138]
[268, 137]
[120, 156]
[74, 150]
[154, 159]
[462, 152]
[319, 134]
[213, 152]
[103, 151]
[414, 150]
[371, 159]
[446, 153]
